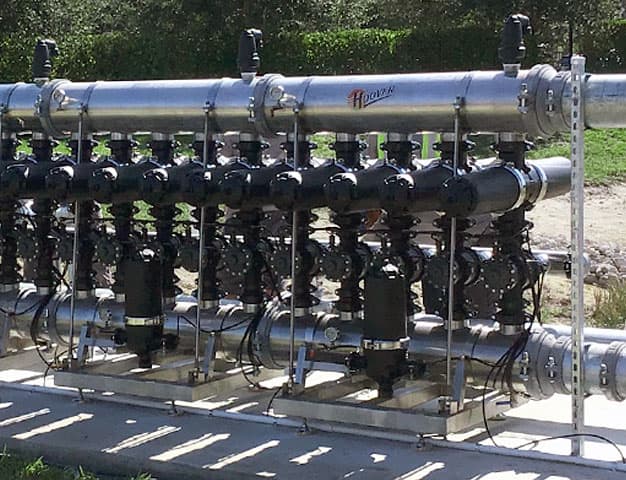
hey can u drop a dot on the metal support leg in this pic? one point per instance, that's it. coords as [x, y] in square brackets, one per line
[5, 328]
[83, 347]
[76, 243]
[578, 248]
[294, 238]
[458, 384]
[458, 103]
[300, 370]
[201, 251]
[208, 367]
[452, 403]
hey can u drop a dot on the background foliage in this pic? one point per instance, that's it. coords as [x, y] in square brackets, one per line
[127, 39]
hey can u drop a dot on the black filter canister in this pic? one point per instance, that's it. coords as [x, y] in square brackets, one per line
[385, 327]
[144, 305]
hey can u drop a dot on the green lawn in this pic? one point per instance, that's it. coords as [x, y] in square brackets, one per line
[605, 154]
[16, 468]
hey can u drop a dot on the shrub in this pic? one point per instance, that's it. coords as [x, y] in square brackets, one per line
[610, 306]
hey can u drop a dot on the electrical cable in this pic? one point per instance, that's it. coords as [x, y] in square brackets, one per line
[247, 336]
[503, 368]
[219, 330]
[273, 397]
[576, 435]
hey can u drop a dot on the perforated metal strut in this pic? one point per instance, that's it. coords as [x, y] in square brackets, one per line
[578, 246]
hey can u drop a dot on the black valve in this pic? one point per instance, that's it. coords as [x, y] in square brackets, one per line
[236, 259]
[108, 249]
[339, 265]
[102, 182]
[166, 185]
[248, 58]
[59, 181]
[411, 262]
[280, 260]
[348, 152]
[358, 191]
[116, 183]
[250, 188]
[500, 274]
[27, 246]
[303, 189]
[70, 181]
[466, 268]
[385, 327]
[512, 49]
[143, 314]
[188, 254]
[155, 183]
[64, 246]
[204, 187]
[459, 197]
[401, 152]
[45, 51]
[13, 178]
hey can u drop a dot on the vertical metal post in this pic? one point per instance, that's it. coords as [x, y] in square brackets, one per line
[578, 248]
[79, 157]
[4, 324]
[452, 248]
[201, 243]
[2, 110]
[294, 235]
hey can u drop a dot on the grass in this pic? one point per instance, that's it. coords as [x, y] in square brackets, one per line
[610, 306]
[605, 154]
[13, 467]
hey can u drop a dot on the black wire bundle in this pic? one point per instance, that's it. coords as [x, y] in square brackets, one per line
[247, 340]
[13, 313]
[503, 368]
[221, 329]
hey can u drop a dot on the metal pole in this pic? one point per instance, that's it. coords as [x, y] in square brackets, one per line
[201, 242]
[578, 249]
[452, 248]
[294, 235]
[2, 110]
[79, 156]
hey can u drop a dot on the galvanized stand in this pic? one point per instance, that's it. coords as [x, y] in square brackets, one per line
[414, 407]
[168, 379]
[304, 366]
[173, 376]
[578, 249]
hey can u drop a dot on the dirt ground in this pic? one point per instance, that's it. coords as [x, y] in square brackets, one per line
[605, 215]
[605, 223]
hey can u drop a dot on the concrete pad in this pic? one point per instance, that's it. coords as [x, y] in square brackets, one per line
[230, 436]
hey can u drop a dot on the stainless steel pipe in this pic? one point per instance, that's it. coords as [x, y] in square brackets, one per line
[542, 370]
[536, 101]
